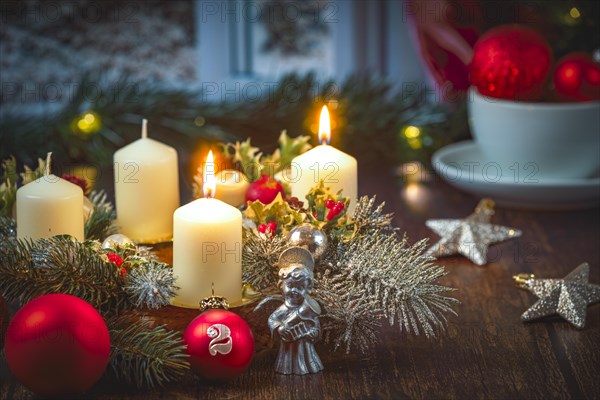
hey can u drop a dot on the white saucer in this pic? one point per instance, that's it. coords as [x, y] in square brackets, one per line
[462, 165]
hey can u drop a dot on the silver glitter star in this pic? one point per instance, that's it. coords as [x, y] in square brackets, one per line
[470, 236]
[567, 297]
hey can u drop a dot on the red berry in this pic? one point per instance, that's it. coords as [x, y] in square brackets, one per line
[339, 206]
[331, 215]
[262, 228]
[271, 227]
[123, 271]
[329, 203]
[82, 183]
[115, 259]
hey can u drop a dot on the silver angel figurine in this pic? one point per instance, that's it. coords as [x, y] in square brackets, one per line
[296, 321]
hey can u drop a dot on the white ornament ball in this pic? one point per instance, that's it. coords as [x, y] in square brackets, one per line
[118, 239]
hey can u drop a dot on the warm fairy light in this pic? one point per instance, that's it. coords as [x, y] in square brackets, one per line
[574, 13]
[413, 137]
[324, 126]
[412, 132]
[209, 185]
[88, 123]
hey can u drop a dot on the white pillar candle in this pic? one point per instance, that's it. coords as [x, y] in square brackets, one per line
[337, 169]
[207, 247]
[49, 206]
[146, 189]
[231, 187]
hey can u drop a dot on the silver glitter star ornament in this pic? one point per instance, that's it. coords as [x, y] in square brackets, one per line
[567, 297]
[471, 236]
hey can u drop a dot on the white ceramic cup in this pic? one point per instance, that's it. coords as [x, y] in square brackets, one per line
[556, 140]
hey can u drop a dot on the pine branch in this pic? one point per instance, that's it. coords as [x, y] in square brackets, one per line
[59, 265]
[401, 278]
[100, 224]
[351, 319]
[368, 220]
[18, 274]
[259, 258]
[144, 355]
[8, 229]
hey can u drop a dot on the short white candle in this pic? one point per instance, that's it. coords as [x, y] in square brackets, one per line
[337, 169]
[231, 187]
[49, 206]
[207, 247]
[146, 189]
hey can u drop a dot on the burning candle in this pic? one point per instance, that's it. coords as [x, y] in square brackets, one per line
[207, 247]
[335, 168]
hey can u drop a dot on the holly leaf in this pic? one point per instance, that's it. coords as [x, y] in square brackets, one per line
[8, 187]
[290, 148]
[340, 223]
[31, 175]
[278, 210]
[246, 156]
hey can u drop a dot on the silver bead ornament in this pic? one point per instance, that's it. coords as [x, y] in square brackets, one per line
[310, 238]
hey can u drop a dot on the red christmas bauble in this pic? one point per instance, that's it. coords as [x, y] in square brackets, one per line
[511, 62]
[220, 344]
[577, 78]
[57, 345]
[264, 189]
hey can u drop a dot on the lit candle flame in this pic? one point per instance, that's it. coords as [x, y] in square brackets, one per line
[324, 127]
[209, 185]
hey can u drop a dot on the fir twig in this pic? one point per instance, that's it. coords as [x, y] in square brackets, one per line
[368, 219]
[144, 355]
[350, 320]
[59, 265]
[401, 277]
[100, 224]
[259, 258]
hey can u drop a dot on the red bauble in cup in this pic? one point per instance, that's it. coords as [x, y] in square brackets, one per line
[577, 78]
[220, 344]
[511, 62]
[57, 345]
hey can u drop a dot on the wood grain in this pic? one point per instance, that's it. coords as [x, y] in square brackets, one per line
[486, 352]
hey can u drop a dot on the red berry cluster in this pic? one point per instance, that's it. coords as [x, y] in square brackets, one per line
[118, 261]
[270, 227]
[335, 207]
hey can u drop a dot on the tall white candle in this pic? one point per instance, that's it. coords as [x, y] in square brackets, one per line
[146, 189]
[49, 206]
[207, 247]
[337, 169]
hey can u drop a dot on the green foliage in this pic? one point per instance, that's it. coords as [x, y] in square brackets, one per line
[8, 186]
[59, 265]
[250, 160]
[144, 355]
[370, 116]
[101, 223]
[10, 181]
[316, 197]
[278, 211]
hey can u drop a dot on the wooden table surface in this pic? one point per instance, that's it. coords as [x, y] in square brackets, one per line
[487, 351]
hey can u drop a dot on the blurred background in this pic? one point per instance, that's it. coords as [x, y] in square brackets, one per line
[77, 77]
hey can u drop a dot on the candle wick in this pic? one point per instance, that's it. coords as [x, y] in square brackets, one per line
[323, 139]
[144, 128]
[48, 159]
[213, 288]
